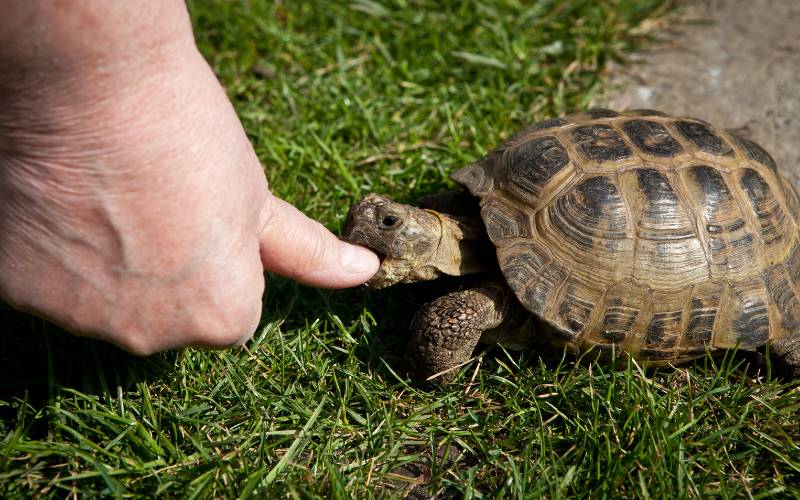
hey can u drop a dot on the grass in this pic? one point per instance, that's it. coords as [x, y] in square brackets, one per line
[339, 99]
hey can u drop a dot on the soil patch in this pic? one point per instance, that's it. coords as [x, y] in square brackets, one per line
[733, 63]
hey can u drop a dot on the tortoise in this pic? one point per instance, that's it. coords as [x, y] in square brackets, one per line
[624, 232]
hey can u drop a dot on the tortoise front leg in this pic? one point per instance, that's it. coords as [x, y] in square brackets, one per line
[445, 331]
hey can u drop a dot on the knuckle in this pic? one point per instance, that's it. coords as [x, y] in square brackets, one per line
[233, 320]
[139, 345]
[232, 331]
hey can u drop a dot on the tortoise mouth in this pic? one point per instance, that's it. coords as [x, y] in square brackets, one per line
[388, 273]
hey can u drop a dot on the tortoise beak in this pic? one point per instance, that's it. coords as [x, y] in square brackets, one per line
[361, 229]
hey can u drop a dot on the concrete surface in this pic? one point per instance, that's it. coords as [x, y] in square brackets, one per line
[734, 63]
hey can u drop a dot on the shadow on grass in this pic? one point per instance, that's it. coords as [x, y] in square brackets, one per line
[383, 350]
[392, 309]
[38, 358]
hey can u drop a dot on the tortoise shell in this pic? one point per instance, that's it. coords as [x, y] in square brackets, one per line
[645, 233]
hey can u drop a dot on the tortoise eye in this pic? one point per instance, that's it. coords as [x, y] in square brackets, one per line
[389, 221]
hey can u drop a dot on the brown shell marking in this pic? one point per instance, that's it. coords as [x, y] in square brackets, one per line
[528, 167]
[668, 252]
[590, 219]
[703, 137]
[664, 328]
[532, 274]
[642, 232]
[702, 313]
[755, 152]
[505, 220]
[783, 295]
[622, 316]
[652, 138]
[732, 247]
[746, 324]
[792, 201]
[600, 143]
[577, 302]
[776, 230]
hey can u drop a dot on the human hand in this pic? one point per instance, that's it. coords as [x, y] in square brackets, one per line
[132, 206]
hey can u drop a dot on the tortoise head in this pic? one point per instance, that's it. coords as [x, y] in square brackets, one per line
[406, 238]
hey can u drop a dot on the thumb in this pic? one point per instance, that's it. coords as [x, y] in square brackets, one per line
[303, 249]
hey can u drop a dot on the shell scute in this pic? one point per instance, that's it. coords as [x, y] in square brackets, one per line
[589, 221]
[704, 137]
[731, 246]
[505, 220]
[668, 253]
[747, 324]
[783, 295]
[574, 311]
[652, 138]
[641, 232]
[702, 312]
[623, 312]
[600, 143]
[755, 152]
[531, 164]
[772, 220]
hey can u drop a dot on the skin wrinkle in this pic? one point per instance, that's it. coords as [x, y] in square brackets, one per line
[31, 35]
[32, 130]
[38, 231]
[78, 170]
[79, 282]
[434, 256]
[133, 198]
[88, 287]
[317, 253]
[43, 230]
[117, 246]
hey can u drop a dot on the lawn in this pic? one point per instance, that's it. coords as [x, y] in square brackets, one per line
[341, 99]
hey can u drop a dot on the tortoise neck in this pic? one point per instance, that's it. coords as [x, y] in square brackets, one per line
[463, 246]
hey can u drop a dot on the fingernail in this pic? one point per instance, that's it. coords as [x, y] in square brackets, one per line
[357, 260]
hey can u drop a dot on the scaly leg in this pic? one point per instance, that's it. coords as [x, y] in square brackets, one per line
[446, 331]
[786, 353]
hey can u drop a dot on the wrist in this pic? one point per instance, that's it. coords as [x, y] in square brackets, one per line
[71, 62]
[76, 35]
